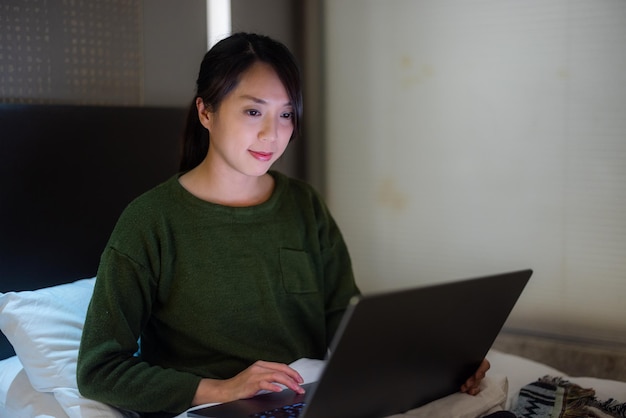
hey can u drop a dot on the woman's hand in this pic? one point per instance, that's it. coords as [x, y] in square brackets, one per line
[472, 385]
[262, 375]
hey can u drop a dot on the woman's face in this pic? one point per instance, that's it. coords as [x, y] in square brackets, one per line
[252, 126]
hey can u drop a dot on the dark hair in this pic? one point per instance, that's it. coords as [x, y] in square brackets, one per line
[220, 72]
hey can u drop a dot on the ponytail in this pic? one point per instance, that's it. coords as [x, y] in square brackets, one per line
[195, 141]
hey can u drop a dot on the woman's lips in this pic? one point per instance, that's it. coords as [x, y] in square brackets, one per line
[261, 156]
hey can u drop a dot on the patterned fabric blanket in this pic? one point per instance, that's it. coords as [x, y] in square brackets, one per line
[554, 397]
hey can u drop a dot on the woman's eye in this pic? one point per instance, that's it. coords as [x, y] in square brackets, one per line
[287, 115]
[253, 112]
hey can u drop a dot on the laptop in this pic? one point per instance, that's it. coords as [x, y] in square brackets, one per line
[398, 350]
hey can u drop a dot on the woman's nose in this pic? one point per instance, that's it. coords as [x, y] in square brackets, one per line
[269, 130]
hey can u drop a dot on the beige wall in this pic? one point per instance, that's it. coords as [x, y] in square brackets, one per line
[466, 138]
[101, 53]
[175, 39]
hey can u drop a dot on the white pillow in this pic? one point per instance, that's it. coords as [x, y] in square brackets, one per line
[18, 399]
[45, 326]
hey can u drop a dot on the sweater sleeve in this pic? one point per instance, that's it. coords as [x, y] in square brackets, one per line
[109, 369]
[339, 279]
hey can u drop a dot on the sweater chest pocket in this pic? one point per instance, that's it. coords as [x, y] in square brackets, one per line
[298, 271]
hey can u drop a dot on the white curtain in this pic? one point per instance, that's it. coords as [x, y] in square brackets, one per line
[473, 137]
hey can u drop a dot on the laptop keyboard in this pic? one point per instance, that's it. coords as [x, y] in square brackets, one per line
[287, 411]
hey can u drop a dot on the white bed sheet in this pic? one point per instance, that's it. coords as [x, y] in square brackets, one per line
[18, 399]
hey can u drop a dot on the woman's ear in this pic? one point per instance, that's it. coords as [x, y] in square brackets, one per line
[203, 112]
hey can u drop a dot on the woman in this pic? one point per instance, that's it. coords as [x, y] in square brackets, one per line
[227, 272]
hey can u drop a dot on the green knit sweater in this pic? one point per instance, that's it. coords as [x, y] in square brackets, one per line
[210, 289]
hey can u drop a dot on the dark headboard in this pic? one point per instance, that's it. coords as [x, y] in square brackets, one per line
[66, 173]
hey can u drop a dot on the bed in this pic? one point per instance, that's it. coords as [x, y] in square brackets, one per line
[67, 172]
